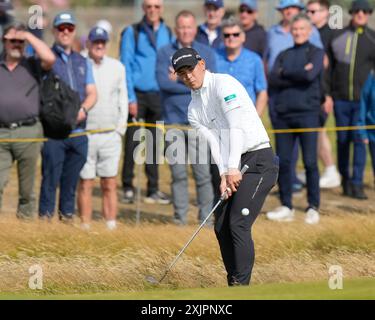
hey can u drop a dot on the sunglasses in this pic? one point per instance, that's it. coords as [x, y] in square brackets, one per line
[228, 35]
[16, 41]
[63, 27]
[364, 11]
[248, 11]
[156, 6]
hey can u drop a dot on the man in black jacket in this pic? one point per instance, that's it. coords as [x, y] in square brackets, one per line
[296, 78]
[352, 57]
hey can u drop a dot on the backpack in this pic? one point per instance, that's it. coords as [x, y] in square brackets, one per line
[59, 107]
[59, 104]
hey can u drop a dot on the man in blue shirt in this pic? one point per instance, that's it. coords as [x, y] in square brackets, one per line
[64, 159]
[209, 33]
[244, 65]
[175, 97]
[139, 45]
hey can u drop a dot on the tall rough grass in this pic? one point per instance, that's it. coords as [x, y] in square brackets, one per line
[74, 261]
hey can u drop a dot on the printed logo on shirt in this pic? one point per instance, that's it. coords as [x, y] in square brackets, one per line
[230, 98]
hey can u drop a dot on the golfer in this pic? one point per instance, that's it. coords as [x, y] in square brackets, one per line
[222, 111]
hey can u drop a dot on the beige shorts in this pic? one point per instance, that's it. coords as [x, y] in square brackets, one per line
[103, 156]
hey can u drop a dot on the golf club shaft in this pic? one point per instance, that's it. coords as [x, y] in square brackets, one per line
[222, 198]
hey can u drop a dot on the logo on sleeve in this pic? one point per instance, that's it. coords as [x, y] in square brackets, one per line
[230, 98]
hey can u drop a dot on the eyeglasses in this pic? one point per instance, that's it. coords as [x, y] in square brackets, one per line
[63, 27]
[16, 41]
[228, 35]
[248, 11]
[150, 6]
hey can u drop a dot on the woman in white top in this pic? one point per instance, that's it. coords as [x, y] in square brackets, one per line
[224, 114]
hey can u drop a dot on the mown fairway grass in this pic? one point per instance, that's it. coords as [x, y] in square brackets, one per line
[352, 289]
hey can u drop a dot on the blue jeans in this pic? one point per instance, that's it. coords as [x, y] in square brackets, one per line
[62, 161]
[285, 143]
[346, 114]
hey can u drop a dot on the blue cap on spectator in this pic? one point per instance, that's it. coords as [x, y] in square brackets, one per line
[216, 3]
[98, 33]
[283, 4]
[64, 18]
[6, 5]
[251, 4]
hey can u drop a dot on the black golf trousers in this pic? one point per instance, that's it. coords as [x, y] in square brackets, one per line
[232, 227]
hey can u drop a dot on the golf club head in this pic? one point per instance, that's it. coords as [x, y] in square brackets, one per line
[152, 280]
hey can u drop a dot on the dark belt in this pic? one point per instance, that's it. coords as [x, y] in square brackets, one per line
[17, 124]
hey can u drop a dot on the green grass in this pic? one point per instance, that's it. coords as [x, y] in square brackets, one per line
[352, 289]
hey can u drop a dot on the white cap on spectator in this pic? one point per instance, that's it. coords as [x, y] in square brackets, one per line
[104, 24]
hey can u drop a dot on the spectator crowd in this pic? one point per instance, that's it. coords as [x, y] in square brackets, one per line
[301, 69]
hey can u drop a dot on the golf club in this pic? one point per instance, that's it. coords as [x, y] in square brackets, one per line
[153, 280]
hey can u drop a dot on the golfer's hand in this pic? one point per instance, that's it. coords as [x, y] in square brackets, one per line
[224, 188]
[233, 178]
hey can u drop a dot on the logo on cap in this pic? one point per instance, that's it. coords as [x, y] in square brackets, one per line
[66, 16]
[182, 57]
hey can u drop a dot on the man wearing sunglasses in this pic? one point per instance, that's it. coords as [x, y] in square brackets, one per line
[242, 64]
[256, 36]
[352, 57]
[64, 159]
[209, 33]
[19, 111]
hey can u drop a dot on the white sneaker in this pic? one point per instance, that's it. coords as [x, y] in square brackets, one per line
[85, 226]
[312, 216]
[111, 225]
[330, 179]
[281, 214]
